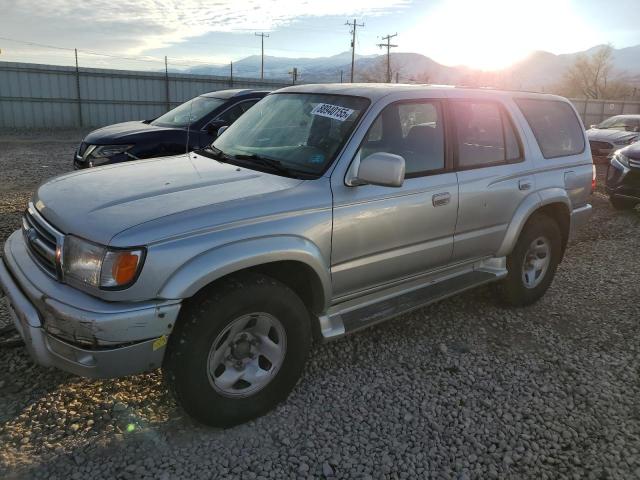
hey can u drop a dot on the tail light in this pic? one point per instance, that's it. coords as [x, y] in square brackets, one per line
[593, 178]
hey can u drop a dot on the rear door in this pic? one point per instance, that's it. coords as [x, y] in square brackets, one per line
[493, 175]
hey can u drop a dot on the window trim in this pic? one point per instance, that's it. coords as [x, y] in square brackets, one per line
[442, 109]
[575, 115]
[504, 114]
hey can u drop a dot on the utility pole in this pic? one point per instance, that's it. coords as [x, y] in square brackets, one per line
[166, 82]
[389, 47]
[294, 75]
[354, 26]
[262, 35]
[341, 73]
[231, 76]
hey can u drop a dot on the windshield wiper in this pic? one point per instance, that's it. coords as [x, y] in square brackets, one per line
[215, 153]
[268, 162]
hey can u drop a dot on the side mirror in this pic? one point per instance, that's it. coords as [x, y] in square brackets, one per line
[380, 168]
[222, 129]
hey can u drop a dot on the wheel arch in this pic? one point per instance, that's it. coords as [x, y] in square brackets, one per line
[292, 260]
[551, 202]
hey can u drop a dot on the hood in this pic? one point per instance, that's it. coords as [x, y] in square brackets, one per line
[124, 132]
[632, 151]
[101, 202]
[610, 135]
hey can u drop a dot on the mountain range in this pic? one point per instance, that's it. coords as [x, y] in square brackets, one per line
[537, 71]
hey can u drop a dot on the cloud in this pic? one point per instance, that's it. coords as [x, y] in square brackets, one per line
[138, 26]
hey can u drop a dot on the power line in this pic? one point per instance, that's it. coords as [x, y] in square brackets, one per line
[354, 26]
[389, 47]
[262, 35]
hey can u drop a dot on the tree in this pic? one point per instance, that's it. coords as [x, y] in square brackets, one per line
[594, 77]
[377, 73]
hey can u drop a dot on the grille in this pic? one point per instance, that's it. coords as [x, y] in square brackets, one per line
[41, 241]
[634, 163]
[597, 146]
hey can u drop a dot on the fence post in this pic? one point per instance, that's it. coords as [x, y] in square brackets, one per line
[166, 82]
[78, 90]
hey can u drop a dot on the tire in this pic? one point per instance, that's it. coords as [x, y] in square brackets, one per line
[216, 314]
[518, 289]
[622, 203]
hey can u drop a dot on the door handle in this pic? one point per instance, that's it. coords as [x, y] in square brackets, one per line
[440, 199]
[525, 184]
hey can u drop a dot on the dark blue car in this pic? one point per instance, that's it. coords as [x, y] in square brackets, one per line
[190, 126]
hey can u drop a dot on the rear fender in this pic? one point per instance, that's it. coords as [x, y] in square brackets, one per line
[525, 210]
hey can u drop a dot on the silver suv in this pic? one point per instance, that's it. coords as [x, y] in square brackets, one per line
[321, 211]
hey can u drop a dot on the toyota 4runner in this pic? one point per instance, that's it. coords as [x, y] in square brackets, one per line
[323, 210]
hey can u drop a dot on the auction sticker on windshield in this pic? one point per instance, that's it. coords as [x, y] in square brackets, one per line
[335, 112]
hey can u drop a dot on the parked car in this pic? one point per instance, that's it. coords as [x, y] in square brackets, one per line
[323, 210]
[613, 133]
[187, 127]
[623, 178]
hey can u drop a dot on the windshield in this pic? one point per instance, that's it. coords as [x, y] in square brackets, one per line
[620, 123]
[188, 112]
[302, 131]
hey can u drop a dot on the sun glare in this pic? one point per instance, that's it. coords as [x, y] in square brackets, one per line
[493, 34]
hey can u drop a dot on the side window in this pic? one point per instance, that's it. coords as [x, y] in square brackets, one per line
[248, 104]
[485, 135]
[555, 126]
[231, 115]
[413, 130]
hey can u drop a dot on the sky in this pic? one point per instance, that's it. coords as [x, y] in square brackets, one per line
[486, 34]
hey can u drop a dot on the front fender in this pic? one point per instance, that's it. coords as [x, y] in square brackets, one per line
[225, 259]
[528, 207]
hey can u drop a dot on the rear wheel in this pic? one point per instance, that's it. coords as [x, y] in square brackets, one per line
[622, 203]
[238, 350]
[533, 262]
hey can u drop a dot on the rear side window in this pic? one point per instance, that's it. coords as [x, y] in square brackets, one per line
[485, 135]
[554, 125]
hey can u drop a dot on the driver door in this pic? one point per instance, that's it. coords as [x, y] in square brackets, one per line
[384, 234]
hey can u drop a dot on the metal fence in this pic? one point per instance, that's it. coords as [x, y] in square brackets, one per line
[49, 96]
[595, 111]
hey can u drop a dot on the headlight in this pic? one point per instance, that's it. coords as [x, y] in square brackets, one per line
[99, 266]
[107, 151]
[621, 158]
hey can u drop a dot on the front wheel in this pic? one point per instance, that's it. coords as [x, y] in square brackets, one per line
[237, 350]
[533, 262]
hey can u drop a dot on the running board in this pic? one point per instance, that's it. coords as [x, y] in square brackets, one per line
[350, 317]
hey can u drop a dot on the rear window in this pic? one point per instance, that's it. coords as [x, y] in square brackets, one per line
[554, 125]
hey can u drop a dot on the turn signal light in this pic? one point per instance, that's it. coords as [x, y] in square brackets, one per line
[593, 179]
[125, 267]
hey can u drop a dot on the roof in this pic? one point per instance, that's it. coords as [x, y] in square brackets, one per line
[375, 91]
[235, 92]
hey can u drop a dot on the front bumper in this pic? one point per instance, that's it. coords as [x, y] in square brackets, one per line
[623, 182]
[68, 329]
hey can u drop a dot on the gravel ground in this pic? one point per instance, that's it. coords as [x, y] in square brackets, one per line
[460, 389]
